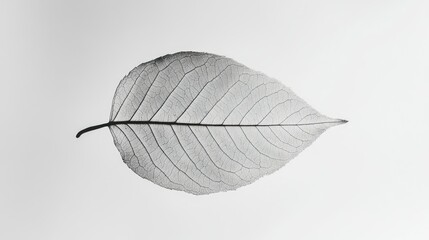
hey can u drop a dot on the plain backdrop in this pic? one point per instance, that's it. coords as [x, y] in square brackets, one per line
[364, 61]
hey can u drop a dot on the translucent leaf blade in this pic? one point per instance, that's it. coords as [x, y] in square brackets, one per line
[203, 123]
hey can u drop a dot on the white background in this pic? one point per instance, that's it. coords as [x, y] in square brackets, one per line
[365, 61]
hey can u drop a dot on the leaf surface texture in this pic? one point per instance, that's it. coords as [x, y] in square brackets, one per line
[203, 123]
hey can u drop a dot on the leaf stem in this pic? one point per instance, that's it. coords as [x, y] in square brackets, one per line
[88, 129]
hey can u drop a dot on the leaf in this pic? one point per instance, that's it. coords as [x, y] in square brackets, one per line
[203, 123]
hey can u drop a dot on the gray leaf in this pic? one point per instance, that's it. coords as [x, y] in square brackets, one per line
[203, 123]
